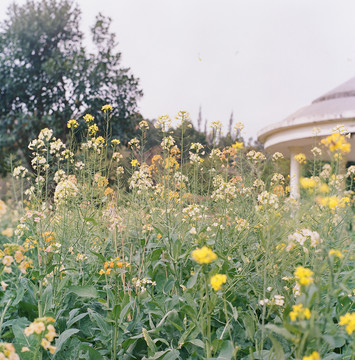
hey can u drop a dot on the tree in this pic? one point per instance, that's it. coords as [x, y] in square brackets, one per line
[47, 76]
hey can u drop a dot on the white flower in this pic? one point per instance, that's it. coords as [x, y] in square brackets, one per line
[193, 231]
[279, 300]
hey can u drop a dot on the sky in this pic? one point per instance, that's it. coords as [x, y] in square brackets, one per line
[261, 59]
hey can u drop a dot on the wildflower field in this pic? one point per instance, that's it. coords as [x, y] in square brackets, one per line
[108, 252]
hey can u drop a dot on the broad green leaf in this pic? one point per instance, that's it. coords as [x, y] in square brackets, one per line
[149, 340]
[87, 291]
[63, 337]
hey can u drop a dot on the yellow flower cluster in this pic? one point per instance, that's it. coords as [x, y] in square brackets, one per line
[9, 232]
[238, 145]
[308, 183]
[333, 202]
[88, 118]
[134, 162]
[203, 255]
[115, 141]
[8, 352]
[300, 158]
[43, 326]
[303, 275]
[93, 129]
[314, 356]
[217, 281]
[14, 253]
[336, 143]
[106, 108]
[72, 124]
[336, 253]
[348, 320]
[109, 265]
[299, 312]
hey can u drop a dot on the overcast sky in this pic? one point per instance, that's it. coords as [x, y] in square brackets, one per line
[261, 59]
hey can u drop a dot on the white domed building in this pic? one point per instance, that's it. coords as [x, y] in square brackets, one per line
[296, 133]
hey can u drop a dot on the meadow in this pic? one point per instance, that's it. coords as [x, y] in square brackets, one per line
[190, 253]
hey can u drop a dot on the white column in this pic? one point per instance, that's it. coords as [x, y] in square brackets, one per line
[294, 173]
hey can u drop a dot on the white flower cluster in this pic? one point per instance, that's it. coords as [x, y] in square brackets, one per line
[39, 161]
[141, 285]
[92, 144]
[180, 179]
[194, 212]
[59, 175]
[20, 172]
[167, 142]
[223, 190]
[134, 143]
[351, 171]
[277, 155]
[141, 179]
[326, 171]
[241, 224]
[56, 146]
[163, 123]
[198, 150]
[258, 184]
[111, 213]
[256, 156]
[277, 179]
[215, 153]
[79, 165]
[117, 156]
[65, 190]
[316, 151]
[45, 134]
[301, 236]
[267, 199]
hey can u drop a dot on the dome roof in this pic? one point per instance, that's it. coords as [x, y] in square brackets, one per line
[344, 90]
[336, 107]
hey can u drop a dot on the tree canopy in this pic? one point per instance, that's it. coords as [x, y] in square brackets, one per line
[47, 76]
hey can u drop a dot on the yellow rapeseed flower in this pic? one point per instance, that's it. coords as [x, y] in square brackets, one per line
[336, 143]
[72, 124]
[238, 145]
[348, 320]
[88, 118]
[303, 275]
[203, 255]
[134, 162]
[93, 129]
[314, 356]
[300, 158]
[299, 312]
[308, 183]
[106, 108]
[336, 253]
[217, 281]
[115, 141]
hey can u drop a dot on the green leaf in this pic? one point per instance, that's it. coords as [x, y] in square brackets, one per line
[277, 349]
[192, 281]
[63, 337]
[197, 342]
[149, 340]
[47, 298]
[227, 351]
[281, 331]
[91, 220]
[93, 354]
[87, 291]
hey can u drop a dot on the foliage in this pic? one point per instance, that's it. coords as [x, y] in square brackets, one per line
[171, 269]
[47, 76]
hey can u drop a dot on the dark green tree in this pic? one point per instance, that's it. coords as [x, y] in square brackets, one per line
[48, 77]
